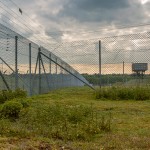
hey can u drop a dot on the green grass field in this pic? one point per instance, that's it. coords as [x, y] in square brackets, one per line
[73, 118]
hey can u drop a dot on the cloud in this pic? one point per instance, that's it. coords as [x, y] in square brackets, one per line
[96, 5]
[68, 20]
[107, 11]
[57, 16]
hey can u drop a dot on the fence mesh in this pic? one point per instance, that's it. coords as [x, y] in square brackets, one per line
[115, 60]
[25, 65]
[118, 56]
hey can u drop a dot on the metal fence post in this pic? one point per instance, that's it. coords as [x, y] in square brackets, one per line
[16, 62]
[30, 75]
[56, 65]
[100, 65]
[50, 64]
[123, 73]
[39, 57]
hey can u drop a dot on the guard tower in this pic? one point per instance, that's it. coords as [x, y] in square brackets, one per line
[139, 68]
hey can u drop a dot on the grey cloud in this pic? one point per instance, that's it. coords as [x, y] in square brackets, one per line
[100, 11]
[82, 10]
[93, 10]
[85, 13]
[55, 35]
[92, 5]
[103, 12]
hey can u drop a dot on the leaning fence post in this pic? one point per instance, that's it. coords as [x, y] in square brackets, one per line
[100, 65]
[16, 62]
[30, 75]
[39, 57]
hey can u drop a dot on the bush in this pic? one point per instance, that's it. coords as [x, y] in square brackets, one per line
[142, 94]
[11, 109]
[8, 95]
[2, 99]
[18, 93]
[25, 102]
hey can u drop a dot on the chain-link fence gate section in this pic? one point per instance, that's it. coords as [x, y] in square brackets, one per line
[25, 65]
[110, 61]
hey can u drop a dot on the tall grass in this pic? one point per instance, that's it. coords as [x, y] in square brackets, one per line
[64, 122]
[124, 93]
[59, 122]
[71, 117]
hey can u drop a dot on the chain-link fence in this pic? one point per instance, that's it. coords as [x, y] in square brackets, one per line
[116, 60]
[25, 65]
[126, 58]
[108, 61]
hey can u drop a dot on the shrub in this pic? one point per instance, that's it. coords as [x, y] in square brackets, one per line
[18, 93]
[141, 93]
[125, 93]
[0, 111]
[8, 95]
[2, 99]
[11, 109]
[25, 102]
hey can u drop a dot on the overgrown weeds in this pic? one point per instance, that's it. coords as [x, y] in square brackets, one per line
[72, 117]
[124, 93]
[65, 122]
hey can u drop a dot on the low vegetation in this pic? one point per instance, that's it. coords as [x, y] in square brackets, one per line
[124, 93]
[8, 95]
[74, 118]
[123, 79]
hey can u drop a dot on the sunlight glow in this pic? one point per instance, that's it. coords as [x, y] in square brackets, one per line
[144, 1]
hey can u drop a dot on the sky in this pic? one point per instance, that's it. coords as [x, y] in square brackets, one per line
[57, 21]
[69, 20]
